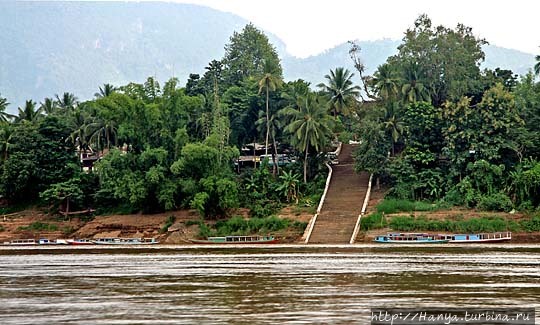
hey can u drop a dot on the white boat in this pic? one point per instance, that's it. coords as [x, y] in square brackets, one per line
[21, 242]
[125, 241]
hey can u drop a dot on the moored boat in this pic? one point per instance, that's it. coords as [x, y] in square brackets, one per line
[125, 241]
[237, 240]
[21, 242]
[479, 238]
[410, 238]
[79, 242]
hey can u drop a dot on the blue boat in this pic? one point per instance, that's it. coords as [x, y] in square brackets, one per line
[411, 238]
[493, 237]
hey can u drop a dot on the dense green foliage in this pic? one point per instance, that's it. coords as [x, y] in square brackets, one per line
[156, 147]
[441, 129]
[438, 129]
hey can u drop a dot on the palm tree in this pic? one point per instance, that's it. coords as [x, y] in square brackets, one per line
[4, 116]
[310, 126]
[79, 122]
[341, 90]
[6, 135]
[385, 82]
[537, 66]
[275, 125]
[106, 129]
[395, 127]
[271, 80]
[107, 90]
[67, 102]
[413, 89]
[48, 106]
[29, 112]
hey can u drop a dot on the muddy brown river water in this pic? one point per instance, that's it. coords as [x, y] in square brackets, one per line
[258, 285]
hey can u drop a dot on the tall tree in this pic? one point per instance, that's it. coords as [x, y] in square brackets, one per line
[29, 112]
[4, 116]
[340, 90]
[449, 58]
[537, 66]
[67, 102]
[105, 91]
[246, 53]
[386, 82]
[270, 81]
[48, 106]
[310, 126]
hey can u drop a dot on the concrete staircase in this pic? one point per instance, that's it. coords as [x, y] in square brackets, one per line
[335, 224]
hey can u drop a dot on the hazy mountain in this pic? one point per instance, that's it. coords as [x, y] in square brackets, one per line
[48, 48]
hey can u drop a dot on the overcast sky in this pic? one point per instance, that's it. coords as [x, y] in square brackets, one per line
[310, 26]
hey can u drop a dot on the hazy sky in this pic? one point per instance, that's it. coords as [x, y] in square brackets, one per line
[309, 27]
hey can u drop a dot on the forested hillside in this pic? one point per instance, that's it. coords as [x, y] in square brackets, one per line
[53, 47]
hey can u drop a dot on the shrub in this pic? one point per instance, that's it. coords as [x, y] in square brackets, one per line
[169, 222]
[531, 225]
[372, 221]
[39, 226]
[240, 226]
[495, 202]
[390, 206]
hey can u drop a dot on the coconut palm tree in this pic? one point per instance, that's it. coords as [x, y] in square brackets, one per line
[67, 102]
[310, 126]
[4, 116]
[6, 135]
[102, 129]
[79, 122]
[275, 125]
[537, 66]
[413, 88]
[271, 80]
[105, 91]
[29, 112]
[340, 90]
[48, 106]
[385, 82]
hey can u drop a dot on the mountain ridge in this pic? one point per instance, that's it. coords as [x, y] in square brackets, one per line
[53, 47]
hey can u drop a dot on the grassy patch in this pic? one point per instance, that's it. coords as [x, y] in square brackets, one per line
[389, 206]
[373, 221]
[238, 226]
[484, 224]
[39, 226]
[67, 230]
[2, 228]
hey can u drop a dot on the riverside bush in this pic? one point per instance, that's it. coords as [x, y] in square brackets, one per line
[485, 224]
[373, 221]
[495, 202]
[39, 226]
[531, 225]
[390, 206]
[241, 227]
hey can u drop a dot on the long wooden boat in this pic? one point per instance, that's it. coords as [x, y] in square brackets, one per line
[410, 238]
[237, 240]
[479, 238]
[79, 242]
[21, 242]
[45, 241]
[125, 241]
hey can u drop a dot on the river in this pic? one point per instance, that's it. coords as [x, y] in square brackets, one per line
[260, 285]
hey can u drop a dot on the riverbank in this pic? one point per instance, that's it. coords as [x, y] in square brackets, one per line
[36, 224]
[174, 227]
